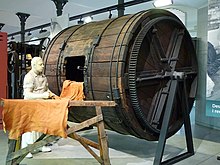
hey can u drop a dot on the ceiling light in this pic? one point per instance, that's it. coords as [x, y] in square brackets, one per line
[88, 19]
[80, 22]
[160, 3]
[29, 33]
[43, 30]
[110, 14]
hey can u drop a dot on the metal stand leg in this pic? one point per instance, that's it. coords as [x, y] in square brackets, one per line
[165, 125]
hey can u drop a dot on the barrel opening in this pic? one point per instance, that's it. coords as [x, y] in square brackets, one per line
[74, 68]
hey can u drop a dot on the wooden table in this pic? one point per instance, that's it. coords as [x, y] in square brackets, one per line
[16, 155]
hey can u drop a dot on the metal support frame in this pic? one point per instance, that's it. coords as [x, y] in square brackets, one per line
[120, 8]
[59, 5]
[95, 12]
[23, 17]
[165, 126]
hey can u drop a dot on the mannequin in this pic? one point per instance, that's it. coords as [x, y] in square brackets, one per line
[35, 87]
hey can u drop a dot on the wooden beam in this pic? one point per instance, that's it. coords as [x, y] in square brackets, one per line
[87, 141]
[16, 154]
[84, 103]
[102, 137]
[85, 145]
[92, 103]
[11, 149]
[84, 124]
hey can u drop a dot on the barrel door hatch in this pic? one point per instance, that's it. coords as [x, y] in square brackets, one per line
[74, 68]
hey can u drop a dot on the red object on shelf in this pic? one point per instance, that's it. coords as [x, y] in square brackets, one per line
[3, 70]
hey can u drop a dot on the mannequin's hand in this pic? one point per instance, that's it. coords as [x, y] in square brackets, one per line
[53, 96]
[45, 95]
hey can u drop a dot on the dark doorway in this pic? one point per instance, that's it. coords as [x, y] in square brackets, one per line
[74, 68]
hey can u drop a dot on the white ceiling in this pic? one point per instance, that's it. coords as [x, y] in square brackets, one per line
[41, 11]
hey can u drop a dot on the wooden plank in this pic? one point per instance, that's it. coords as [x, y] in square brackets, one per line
[76, 48]
[51, 69]
[106, 69]
[84, 124]
[79, 139]
[11, 149]
[104, 84]
[52, 81]
[104, 154]
[103, 53]
[89, 30]
[92, 103]
[101, 83]
[53, 54]
[116, 39]
[32, 147]
[87, 141]
[98, 95]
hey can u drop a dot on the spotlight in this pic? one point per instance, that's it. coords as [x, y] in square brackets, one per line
[161, 3]
[43, 30]
[29, 33]
[80, 22]
[110, 14]
[88, 19]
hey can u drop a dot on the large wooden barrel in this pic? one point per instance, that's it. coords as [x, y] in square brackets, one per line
[131, 60]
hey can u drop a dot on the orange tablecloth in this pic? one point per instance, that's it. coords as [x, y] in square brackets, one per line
[46, 116]
[72, 90]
